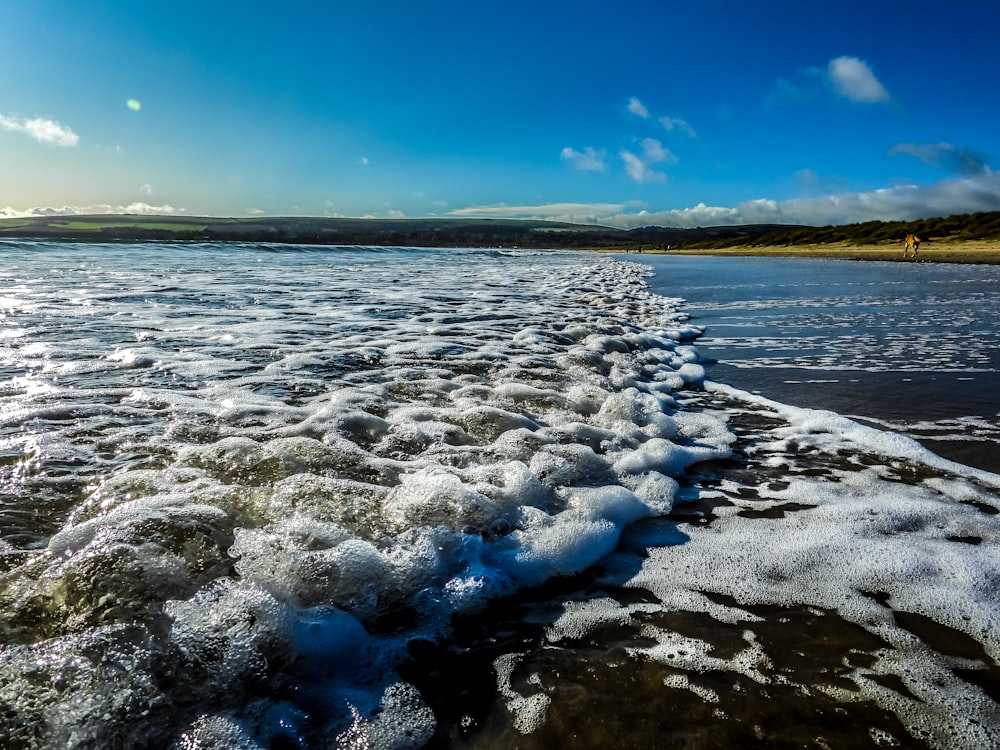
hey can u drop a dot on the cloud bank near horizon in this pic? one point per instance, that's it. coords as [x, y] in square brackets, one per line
[140, 208]
[957, 195]
[899, 203]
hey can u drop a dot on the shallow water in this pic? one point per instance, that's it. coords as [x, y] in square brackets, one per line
[259, 496]
[912, 347]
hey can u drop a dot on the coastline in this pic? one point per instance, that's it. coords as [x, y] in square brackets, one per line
[967, 251]
[967, 238]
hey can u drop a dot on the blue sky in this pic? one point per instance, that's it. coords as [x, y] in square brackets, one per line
[621, 113]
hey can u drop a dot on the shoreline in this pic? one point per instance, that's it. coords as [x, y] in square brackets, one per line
[969, 251]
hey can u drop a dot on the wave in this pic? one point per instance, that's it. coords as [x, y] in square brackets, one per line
[265, 514]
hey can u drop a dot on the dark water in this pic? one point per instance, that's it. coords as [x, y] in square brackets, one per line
[911, 347]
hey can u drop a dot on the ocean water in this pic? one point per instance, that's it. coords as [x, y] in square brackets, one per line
[276, 497]
[912, 347]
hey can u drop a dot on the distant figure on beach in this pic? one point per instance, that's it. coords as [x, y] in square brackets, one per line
[912, 243]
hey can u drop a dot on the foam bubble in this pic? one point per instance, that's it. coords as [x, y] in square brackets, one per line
[836, 520]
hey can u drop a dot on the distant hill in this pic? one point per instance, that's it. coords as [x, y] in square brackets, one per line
[522, 233]
[391, 232]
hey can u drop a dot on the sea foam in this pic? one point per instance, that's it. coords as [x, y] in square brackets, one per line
[276, 498]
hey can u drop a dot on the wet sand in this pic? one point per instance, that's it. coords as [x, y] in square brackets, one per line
[971, 251]
[784, 675]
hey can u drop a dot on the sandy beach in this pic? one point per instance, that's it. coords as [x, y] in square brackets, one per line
[973, 251]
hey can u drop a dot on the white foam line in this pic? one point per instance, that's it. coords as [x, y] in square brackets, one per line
[886, 443]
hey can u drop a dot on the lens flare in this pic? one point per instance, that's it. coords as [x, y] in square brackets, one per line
[134, 105]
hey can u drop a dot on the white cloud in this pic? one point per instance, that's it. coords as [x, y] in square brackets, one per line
[653, 151]
[101, 208]
[845, 76]
[854, 80]
[575, 213]
[676, 123]
[944, 156]
[588, 160]
[364, 161]
[41, 129]
[638, 108]
[638, 170]
[146, 189]
[637, 166]
[145, 208]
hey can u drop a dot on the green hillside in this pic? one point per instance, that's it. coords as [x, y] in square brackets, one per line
[486, 232]
[977, 226]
